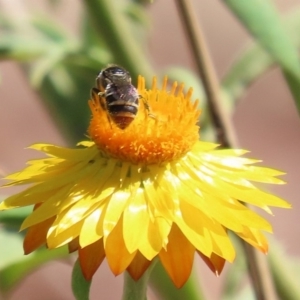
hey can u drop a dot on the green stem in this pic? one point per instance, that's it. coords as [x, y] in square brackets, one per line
[111, 24]
[259, 273]
[80, 286]
[220, 120]
[136, 290]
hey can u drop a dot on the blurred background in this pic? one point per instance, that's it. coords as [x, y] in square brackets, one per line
[265, 119]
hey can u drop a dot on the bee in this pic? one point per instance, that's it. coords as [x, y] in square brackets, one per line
[117, 95]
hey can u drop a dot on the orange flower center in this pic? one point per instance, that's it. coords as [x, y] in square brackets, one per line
[164, 129]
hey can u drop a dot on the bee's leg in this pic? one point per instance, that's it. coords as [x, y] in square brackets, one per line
[97, 94]
[147, 107]
[109, 120]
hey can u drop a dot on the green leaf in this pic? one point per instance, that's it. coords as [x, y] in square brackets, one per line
[113, 27]
[80, 286]
[14, 265]
[248, 67]
[11, 248]
[50, 29]
[235, 274]
[263, 22]
[253, 61]
[66, 91]
[15, 217]
[245, 293]
[285, 271]
[20, 48]
[138, 15]
[44, 65]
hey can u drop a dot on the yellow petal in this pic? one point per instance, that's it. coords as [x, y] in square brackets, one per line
[117, 255]
[90, 258]
[36, 236]
[92, 228]
[135, 221]
[214, 237]
[48, 209]
[73, 245]
[214, 262]
[138, 266]
[57, 240]
[114, 211]
[255, 238]
[155, 238]
[178, 258]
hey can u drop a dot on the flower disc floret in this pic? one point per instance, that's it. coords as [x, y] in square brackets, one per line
[164, 129]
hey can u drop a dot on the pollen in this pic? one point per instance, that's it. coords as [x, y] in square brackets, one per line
[164, 129]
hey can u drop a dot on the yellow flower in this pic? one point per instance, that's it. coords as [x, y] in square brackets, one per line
[150, 190]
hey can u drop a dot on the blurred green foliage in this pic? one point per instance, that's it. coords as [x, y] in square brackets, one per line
[63, 67]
